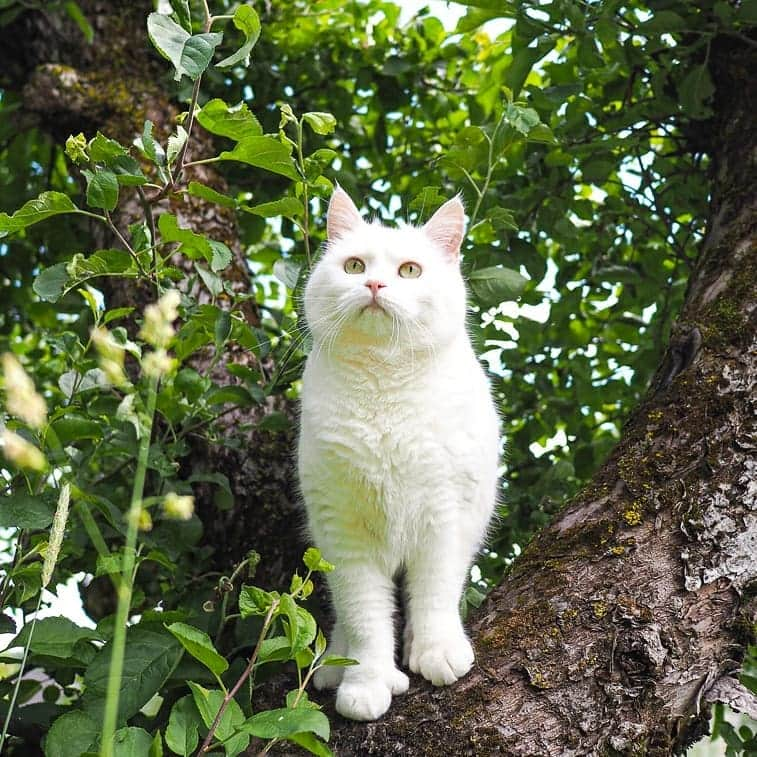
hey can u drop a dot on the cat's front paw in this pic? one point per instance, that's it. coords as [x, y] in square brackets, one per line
[369, 697]
[441, 661]
[363, 699]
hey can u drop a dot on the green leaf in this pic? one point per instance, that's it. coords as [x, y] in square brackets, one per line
[315, 562]
[289, 207]
[283, 722]
[235, 122]
[264, 152]
[199, 645]
[183, 727]
[117, 313]
[211, 280]
[209, 702]
[54, 637]
[46, 205]
[21, 510]
[105, 150]
[287, 272]
[520, 118]
[695, 91]
[320, 123]
[275, 649]
[254, 601]
[102, 188]
[175, 143]
[311, 743]
[336, 660]
[208, 193]
[131, 742]
[71, 734]
[220, 255]
[193, 245]
[51, 282]
[183, 14]
[156, 746]
[222, 327]
[491, 286]
[189, 54]
[75, 14]
[247, 21]
[149, 660]
[147, 144]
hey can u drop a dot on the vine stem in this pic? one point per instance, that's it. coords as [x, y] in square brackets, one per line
[238, 685]
[127, 579]
[16, 688]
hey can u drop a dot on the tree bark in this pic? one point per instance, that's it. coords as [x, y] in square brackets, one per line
[628, 614]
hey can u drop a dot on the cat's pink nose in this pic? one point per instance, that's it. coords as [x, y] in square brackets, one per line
[374, 286]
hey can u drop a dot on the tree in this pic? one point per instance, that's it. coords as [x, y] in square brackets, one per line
[581, 137]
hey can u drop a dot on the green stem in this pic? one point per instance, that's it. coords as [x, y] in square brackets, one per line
[127, 579]
[305, 202]
[16, 688]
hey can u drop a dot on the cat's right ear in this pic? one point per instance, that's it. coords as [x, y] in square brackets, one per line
[342, 215]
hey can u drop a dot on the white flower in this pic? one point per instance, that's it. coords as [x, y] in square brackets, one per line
[157, 363]
[157, 327]
[111, 356]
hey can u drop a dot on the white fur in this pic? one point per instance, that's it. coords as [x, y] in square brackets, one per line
[398, 451]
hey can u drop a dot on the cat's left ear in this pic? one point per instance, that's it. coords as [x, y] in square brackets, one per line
[342, 215]
[447, 227]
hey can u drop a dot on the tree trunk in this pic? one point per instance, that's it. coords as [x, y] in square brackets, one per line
[624, 618]
[113, 85]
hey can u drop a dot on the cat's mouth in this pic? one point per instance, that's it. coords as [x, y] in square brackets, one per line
[373, 307]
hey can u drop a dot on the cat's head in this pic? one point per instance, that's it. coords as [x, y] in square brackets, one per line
[396, 288]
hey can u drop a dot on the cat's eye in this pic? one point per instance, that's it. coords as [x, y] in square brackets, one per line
[354, 265]
[410, 270]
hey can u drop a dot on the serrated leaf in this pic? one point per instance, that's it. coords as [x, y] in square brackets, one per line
[193, 245]
[46, 205]
[182, 733]
[254, 601]
[21, 510]
[131, 742]
[320, 123]
[283, 722]
[211, 280]
[264, 152]
[311, 743]
[149, 659]
[222, 327]
[247, 21]
[314, 561]
[102, 188]
[199, 645]
[235, 122]
[494, 285]
[104, 150]
[521, 119]
[336, 660]
[72, 734]
[189, 54]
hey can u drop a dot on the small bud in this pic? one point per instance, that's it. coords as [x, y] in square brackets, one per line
[22, 399]
[178, 506]
[145, 520]
[76, 148]
[22, 453]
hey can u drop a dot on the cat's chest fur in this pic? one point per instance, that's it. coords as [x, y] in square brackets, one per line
[388, 453]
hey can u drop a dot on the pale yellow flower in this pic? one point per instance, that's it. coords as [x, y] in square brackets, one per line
[157, 363]
[111, 356]
[178, 506]
[22, 453]
[145, 521]
[157, 327]
[22, 399]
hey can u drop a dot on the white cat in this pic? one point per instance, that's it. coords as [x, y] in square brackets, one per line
[398, 448]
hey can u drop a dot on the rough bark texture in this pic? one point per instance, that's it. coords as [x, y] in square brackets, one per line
[113, 85]
[631, 611]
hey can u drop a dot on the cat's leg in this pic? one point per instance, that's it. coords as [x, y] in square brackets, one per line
[364, 600]
[330, 676]
[437, 646]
